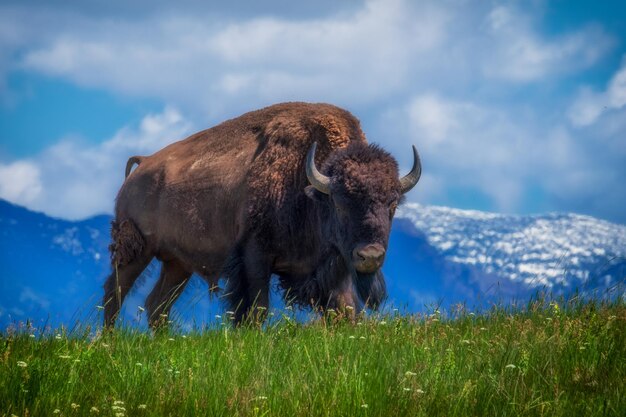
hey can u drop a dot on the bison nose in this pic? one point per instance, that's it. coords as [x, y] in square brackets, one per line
[368, 258]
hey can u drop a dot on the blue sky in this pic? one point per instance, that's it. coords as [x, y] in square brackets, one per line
[516, 107]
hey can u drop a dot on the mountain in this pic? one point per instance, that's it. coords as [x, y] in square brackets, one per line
[478, 257]
[52, 270]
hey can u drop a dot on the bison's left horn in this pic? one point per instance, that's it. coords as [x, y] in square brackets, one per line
[318, 180]
[409, 180]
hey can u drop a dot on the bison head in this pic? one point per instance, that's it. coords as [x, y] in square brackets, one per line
[361, 188]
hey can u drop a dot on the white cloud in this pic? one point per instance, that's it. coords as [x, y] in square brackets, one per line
[368, 55]
[590, 105]
[518, 53]
[478, 147]
[20, 182]
[75, 180]
[199, 62]
[446, 75]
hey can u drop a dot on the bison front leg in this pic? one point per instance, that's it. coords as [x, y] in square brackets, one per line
[343, 300]
[247, 275]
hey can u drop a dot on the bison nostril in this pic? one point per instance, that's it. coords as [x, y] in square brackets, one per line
[373, 253]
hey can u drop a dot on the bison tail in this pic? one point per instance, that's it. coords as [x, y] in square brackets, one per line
[132, 161]
[127, 242]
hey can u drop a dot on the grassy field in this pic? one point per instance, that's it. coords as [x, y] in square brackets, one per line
[545, 359]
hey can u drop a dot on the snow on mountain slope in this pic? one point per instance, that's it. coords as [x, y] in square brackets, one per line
[550, 250]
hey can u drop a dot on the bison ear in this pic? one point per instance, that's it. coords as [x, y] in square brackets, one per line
[314, 194]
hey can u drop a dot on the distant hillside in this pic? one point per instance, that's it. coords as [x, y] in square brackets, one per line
[53, 270]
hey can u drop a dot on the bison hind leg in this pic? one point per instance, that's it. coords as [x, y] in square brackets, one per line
[169, 287]
[119, 283]
[129, 257]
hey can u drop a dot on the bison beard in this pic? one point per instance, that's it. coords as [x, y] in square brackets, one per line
[244, 201]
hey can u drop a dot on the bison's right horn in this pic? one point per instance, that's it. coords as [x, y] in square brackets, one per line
[409, 180]
[318, 180]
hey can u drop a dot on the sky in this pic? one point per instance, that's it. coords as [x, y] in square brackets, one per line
[515, 107]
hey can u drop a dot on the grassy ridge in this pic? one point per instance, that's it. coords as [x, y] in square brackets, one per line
[543, 360]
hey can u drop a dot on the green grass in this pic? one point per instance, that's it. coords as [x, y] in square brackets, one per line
[545, 359]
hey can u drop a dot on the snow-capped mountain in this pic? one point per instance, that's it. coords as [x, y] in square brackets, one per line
[52, 270]
[551, 250]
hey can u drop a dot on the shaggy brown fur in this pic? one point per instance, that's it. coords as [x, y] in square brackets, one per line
[127, 242]
[234, 202]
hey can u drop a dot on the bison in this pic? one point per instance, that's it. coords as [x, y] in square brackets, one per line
[293, 190]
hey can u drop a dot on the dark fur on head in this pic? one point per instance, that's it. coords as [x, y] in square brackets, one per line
[364, 193]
